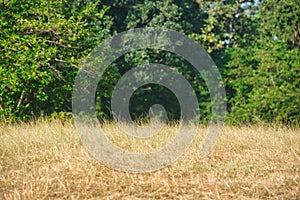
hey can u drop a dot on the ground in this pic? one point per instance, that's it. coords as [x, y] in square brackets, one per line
[46, 160]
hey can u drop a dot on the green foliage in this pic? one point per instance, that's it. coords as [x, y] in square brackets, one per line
[280, 19]
[256, 47]
[264, 78]
[42, 43]
[183, 16]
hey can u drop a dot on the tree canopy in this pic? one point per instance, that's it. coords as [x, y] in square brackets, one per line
[255, 45]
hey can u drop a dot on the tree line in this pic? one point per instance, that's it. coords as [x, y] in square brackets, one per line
[255, 44]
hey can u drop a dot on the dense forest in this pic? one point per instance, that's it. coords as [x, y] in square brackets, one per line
[255, 44]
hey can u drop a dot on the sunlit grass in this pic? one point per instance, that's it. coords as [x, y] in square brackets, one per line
[47, 160]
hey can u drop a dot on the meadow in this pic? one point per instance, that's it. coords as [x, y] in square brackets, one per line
[46, 160]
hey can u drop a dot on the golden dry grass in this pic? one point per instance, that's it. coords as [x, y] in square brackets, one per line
[46, 160]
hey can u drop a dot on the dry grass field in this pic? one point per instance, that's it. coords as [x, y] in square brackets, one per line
[46, 160]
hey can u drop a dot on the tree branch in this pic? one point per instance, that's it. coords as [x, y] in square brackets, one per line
[61, 45]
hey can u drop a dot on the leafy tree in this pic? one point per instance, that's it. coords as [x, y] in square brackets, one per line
[255, 45]
[279, 20]
[42, 44]
[265, 77]
[183, 16]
